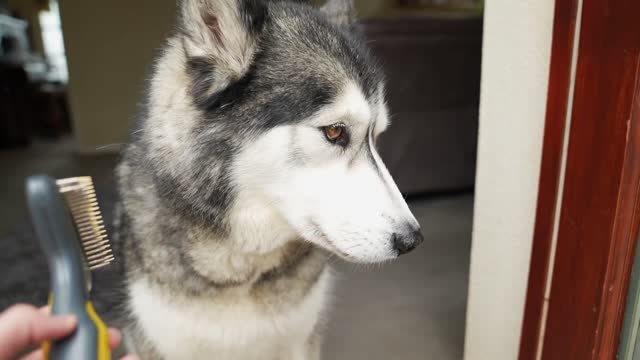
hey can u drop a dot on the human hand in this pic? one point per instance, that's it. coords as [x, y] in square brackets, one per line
[23, 326]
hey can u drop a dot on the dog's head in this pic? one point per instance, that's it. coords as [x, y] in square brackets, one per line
[262, 120]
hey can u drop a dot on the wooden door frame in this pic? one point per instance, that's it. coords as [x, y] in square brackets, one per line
[599, 211]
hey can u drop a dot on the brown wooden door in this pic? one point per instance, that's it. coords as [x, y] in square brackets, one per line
[599, 208]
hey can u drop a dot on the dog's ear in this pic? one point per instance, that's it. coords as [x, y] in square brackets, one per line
[224, 32]
[342, 12]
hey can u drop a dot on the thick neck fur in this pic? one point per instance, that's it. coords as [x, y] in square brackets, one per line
[186, 259]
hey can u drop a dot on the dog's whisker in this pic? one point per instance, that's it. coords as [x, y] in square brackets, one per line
[109, 146]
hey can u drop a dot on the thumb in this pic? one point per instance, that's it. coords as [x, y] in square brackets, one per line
[22, 326]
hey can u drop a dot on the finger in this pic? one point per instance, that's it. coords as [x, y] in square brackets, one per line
[130, 357]
[115, 338]
[45, 310]
[34, 355]
[22, 326]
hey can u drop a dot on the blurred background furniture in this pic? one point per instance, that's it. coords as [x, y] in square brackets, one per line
[32, 101]
[432, 65]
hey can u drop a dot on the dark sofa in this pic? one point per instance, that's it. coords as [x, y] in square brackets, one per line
[432, 66]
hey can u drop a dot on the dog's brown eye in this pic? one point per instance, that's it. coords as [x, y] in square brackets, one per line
[336, 134]
[333, 132]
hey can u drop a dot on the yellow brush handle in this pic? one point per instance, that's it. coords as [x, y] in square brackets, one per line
[97, 329]
[54, 221]
[46, 346]
[104, 351]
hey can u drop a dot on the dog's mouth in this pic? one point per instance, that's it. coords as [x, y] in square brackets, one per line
[334, 249]
[317, 236]
[321, 238]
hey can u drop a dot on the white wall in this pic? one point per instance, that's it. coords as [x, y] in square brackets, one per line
[110, 48]
[515, 66]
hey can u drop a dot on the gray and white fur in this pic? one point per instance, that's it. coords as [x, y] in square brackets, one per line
[235, 189]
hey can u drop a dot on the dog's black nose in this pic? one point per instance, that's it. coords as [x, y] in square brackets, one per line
[405, 242]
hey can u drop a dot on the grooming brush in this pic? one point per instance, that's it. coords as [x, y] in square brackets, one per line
[69, 226]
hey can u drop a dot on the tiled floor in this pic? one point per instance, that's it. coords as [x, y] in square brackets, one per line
[413, 308]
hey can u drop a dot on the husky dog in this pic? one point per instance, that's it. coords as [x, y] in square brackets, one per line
[254, 159]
